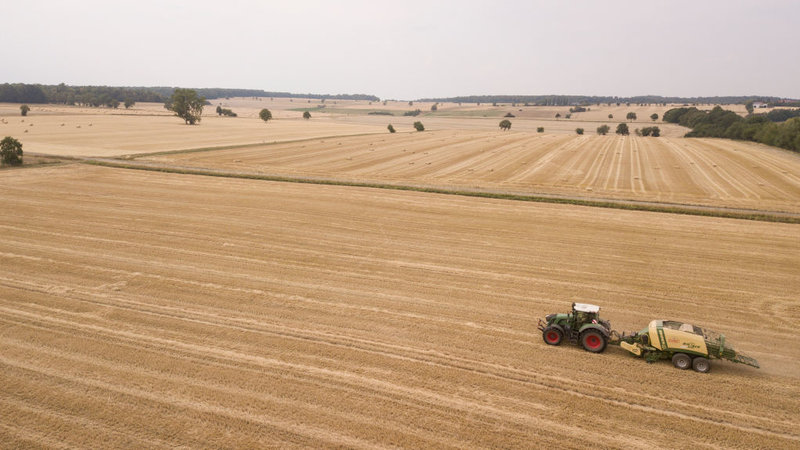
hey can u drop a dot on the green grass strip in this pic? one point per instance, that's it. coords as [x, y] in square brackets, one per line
[630, 206]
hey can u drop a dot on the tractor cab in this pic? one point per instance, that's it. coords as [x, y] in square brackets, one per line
[583, 313]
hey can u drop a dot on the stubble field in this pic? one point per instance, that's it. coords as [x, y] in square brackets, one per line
[148, 127]
[145, 309]
[711, 172]
[160, 310]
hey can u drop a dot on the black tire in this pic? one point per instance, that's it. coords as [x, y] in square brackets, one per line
[552, 335]
[701, 365]
[681, 361]
[593, 341]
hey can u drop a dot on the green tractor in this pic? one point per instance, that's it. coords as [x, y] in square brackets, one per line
[583, 325]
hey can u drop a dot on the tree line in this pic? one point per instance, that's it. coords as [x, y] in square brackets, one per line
[213, 93]
[782, 115]
[107, 95]
[75, 95]
[722, 123]
[567, 100]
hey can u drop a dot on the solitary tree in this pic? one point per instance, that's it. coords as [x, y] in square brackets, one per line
[265, 115]
[623, 129]
[749, 107]
[24, 110]
[603, 130]
[654, 117]
[306, 115]
[540, 129]
[129, 103]
[434, 107]
[186, 104]
[10, 151]
[631, 116]
[610, 116]
[418, 126]
[391, 128]
[558, 115]
[579, 130]
[505, 124]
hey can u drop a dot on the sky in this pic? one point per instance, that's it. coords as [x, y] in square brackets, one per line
[410, 49]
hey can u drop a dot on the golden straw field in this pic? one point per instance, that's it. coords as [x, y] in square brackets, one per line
[694, 171]
[158, 310]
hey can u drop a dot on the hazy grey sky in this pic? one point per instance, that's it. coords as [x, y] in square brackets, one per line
[410, 49]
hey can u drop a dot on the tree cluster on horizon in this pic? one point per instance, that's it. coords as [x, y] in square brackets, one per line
[94, 96]
[584, 100]
[723, 123]
[106, 95]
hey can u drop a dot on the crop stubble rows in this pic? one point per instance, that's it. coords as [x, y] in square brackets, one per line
[695, 171]
[154, 310]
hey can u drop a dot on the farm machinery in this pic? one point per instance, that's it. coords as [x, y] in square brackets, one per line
[687, 345]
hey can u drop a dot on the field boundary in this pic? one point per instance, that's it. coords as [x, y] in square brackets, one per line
[631, 205]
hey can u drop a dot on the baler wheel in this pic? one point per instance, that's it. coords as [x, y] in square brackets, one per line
[593, 341]
[701, 364]
[681, 361]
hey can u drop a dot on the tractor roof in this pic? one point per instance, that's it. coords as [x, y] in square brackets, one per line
[585, 307]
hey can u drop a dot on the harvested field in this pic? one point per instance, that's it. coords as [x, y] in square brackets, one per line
[147, 127]
[66, 131]
[710, 172]
[161, 310]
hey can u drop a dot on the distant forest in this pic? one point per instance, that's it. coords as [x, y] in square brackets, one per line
[572, 100]
[212, 93]
[112, 96]
[76, 95]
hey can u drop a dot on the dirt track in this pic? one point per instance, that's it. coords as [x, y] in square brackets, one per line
[158, 310]
[708, 172]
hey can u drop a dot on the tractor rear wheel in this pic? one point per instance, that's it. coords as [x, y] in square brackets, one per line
[552, 335]
[593, 341]
[701, 364]
[681, 361]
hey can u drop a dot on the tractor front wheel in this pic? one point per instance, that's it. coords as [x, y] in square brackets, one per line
[552, 335]
[681, 361]
[593, 341]
[701, 364]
